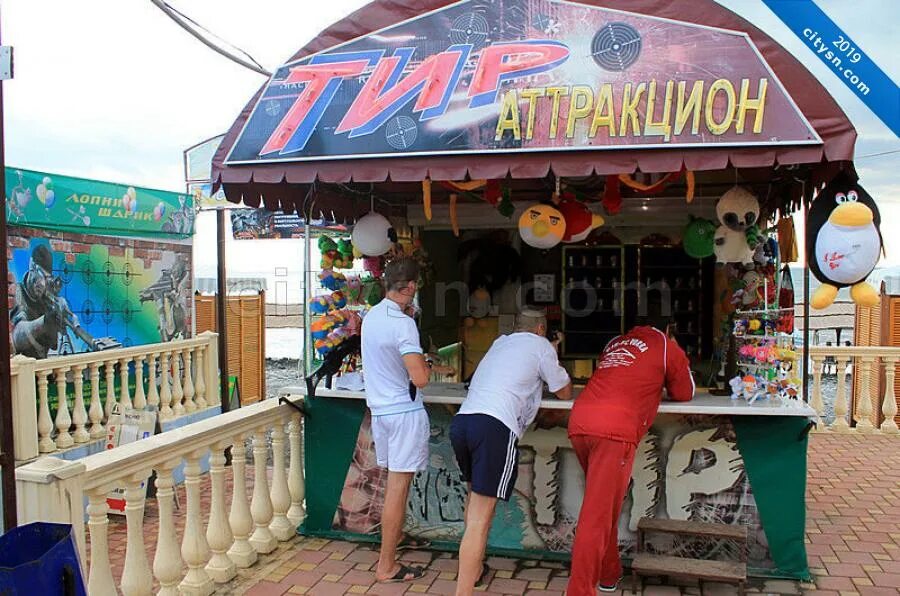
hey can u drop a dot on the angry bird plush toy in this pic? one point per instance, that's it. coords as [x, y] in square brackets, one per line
[579, 220]
[698, 238]
[843, 234]
[737, 236]
[542, 226]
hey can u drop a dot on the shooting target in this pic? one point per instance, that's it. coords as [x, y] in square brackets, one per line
[616, 46]
[87, 273]
[128, 274]
[127, 312]
[469, 28]
[87, 312]
[273, 108]
[107, 314]
[401, 133]
[109, 271]
[66, 273]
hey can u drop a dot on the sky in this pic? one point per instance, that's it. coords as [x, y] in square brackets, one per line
[114, 90]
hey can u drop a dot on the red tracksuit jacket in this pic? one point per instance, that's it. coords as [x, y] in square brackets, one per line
[623, 395]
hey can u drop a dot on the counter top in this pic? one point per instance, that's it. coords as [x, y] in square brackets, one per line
[703, 403]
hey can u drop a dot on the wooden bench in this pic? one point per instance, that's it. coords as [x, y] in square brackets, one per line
[644, 564]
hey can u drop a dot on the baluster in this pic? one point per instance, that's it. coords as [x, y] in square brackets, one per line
[124, 396]
[889, 407]
[167, 562]
[189, 404]
[100, 579]
[177, 391]
[153, 392]
[194, 549]
[281, 526]
[165, 392]
[200, 383]
[136, 577]
[864, 422]
[241, 552]
[46, 444]
[218, 532]
[79, 415]
[63, 420]
[296, 484]
[261, 505]
[96, 410]
[140, 399]
[817, 404]
[110, 369]
[840, 399]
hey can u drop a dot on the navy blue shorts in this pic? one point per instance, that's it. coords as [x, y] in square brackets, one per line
[487, 453]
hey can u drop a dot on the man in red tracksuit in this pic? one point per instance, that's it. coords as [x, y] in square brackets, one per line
[608, 420]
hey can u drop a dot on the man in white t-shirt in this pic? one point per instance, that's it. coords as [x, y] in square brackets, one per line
[394, 368]
[503, 399]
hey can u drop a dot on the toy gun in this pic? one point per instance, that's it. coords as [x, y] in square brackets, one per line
[55, 304]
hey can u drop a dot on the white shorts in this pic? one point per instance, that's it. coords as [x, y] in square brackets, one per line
[401, 441]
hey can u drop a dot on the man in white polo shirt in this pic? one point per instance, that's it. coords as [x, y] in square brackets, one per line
[504, 398]
[395, 368]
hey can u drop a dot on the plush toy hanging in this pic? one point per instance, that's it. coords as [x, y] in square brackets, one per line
[844, 238]
[580, 222]
[542, 226]
[737, 236]
[373, 235]
[612, 195]
[698, 238]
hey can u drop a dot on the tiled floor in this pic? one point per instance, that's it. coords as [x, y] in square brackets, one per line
[853, 542]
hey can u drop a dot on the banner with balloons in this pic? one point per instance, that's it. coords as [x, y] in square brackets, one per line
[64, 203]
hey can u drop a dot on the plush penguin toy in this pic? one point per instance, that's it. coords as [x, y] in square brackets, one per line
[737, 236]
[843, 239]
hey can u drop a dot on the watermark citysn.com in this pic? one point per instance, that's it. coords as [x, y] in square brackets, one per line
[843, 50]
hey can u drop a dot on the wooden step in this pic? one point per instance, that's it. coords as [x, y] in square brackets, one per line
[724, 571]
[678, 526]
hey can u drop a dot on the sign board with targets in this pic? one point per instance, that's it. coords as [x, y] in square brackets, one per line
[522, 75]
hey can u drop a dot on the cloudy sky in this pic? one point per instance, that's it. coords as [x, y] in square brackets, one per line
[114, 90]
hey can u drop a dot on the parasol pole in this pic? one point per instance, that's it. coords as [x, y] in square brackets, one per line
[806, 202]
[221, 305]
[307, 319]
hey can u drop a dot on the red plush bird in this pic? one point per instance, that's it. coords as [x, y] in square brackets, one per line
[579, 220]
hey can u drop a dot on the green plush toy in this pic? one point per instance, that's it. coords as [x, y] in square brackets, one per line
[698, 238]
[344, 248]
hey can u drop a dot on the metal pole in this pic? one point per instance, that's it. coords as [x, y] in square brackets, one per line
[7, 450]
[805, 297]
[221, 305]
[307, 293]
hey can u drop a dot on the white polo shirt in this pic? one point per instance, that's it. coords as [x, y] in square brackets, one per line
[388, 334]
[508, 383]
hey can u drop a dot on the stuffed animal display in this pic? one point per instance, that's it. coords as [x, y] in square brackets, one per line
[738, 235]
[698, 238]
[580, 222]
[335, 254]
[542, 226]
[844, 237]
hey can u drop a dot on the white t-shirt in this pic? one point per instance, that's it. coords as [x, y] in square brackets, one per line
[508, 383]
[388, 334]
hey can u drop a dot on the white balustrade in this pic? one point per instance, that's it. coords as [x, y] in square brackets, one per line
[40, 430]
[840, 423]
[889, 405]
[816, 402]
[296, 484]
[213, 543]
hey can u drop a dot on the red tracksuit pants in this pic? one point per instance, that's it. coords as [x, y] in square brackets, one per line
[607, 467]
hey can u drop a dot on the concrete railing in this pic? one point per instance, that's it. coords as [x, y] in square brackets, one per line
[870, 363]
[177, 377]
[214, 541]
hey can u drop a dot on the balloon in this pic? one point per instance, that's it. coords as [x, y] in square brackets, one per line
[48, 183]
[49, 199]
[159, 211]
[42, 193]
[542, 226]
[373, 235]
[131, 192]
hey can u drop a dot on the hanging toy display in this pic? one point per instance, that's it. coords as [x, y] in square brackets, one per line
[580, 222]
[698, 238]
[542, 226]
[373, 235]
[737, 235]
[786, 302]
[844, 236]
[765, 358]
[337, 255]
[320, 305]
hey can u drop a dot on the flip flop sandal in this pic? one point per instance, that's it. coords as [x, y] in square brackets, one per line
[410, 543]
[483, 578]
[404, 574]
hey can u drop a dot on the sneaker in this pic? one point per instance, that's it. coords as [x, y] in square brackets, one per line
[610, 588]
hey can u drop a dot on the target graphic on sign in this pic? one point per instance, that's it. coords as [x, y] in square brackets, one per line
[469, 28]
[616, 46]
[401, 133]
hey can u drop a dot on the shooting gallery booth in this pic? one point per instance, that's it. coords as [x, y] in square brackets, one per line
[580, 156]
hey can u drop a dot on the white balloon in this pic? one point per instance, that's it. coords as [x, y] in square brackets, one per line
[371, 235]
